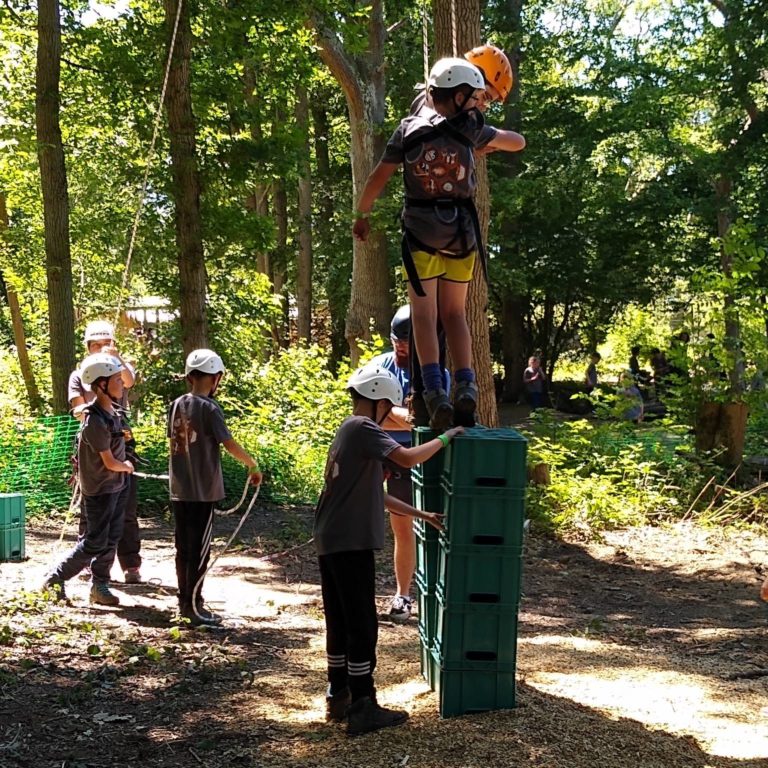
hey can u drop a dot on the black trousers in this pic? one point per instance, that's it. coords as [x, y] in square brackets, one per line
[129, 546]
[194, 527]
[96, 545]
[348, 581]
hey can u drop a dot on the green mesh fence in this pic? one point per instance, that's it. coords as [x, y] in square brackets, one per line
[35, 461]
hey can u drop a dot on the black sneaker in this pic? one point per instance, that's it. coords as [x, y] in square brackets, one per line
[336, 706]
[207, 616]
[465, 403]
[198, 619]
[418, 409]
[440, 410]
[365, 715]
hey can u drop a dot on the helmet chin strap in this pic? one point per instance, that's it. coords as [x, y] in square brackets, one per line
[215, 385]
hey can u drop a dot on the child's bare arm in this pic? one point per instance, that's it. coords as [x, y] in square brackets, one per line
[374, 186]
[402, 508]
[397, 420]
[507, 141]
[113, 465]
[238, 452]
[418, 454]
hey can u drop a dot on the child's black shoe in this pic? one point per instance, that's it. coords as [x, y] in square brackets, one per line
[208, 616]
[440, 410]
[365, 715]
[336, 705]
[55, 587]
[465, 403]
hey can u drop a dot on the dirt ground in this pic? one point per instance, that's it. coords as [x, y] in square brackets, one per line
[644, 650]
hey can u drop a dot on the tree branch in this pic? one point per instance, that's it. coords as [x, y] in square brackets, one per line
[336, 59]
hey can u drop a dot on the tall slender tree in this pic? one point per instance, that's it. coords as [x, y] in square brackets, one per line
[304, 265]
[53, 179]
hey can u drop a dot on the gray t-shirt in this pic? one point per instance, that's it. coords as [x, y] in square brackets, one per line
[196, 429]
[350, 513]
[438, 168]
[101, 431]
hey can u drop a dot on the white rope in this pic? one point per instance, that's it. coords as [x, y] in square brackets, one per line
[453, 28]
[74, 503]
[147, 476]
[148, 161]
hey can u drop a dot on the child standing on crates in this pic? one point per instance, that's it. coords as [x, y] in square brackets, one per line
[103, 473]
[349, 526]
[441, 231]
[196, 429]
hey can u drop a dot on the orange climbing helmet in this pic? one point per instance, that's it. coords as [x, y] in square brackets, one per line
[495, 65]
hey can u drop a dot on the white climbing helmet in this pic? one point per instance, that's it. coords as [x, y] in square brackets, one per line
[450, 72]
[98, 330]
[102, 364]
[205, 361]
[376, 383]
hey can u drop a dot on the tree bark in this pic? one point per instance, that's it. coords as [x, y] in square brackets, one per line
[361, 77]
[186, 185]
[304, 265]
[460, 19]
[17, 323]
[278, 262]
[53, 178]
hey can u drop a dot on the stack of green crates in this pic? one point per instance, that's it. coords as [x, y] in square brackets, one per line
[479, 570]
[428, 496]
[12, 520]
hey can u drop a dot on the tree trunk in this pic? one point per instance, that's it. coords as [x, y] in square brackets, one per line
[278, 262]
[304, 265]
[458, 21]
[19, 336]
[513, 345]
[53, 178]
[186, 185]
[361, 77]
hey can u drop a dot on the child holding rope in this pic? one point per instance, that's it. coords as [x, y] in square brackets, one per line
[196, 429]
[99, 336]
[102, 472]
[349, 526]
[441, 231]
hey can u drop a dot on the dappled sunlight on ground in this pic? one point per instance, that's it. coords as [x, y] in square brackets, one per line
[646, 686]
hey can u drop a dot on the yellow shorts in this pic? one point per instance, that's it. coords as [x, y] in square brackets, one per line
[434, 265]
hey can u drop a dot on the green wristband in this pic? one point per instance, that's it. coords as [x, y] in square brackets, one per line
[444, 439]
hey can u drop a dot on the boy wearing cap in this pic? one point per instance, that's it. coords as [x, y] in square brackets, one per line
[102, 471]
[196, 430]
[349, 526]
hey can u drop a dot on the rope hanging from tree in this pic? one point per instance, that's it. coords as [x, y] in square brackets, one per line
[453, 28]
[147, 165]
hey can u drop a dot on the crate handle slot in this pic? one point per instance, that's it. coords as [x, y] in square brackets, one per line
[484, 597]
[491, 482]
[480, 656]
[488, 540]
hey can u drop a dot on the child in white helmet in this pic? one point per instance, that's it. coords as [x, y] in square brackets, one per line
[441, 231]
[99, 336]
[103, 473]
[349, 526]
[196, 430]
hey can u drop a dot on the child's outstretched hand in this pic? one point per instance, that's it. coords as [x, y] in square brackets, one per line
[128, 467]
[361, 229]
[255, 477]
[434, 519]
[451, 433]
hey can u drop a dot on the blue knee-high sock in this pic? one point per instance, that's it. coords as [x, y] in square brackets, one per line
[431, 375]
[465, 374]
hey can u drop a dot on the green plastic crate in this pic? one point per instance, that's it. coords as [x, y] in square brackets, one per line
[430, 667]
[427, 547]
[475, 632]
[12, 509]
[429, 471]
[428, 497]
[464, 691]
[495, 518]
[427, 605]
[479, 574]
[11, 542]
[486, 458]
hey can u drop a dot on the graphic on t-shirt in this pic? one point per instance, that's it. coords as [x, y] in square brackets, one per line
[438, 169]
[183, 435]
